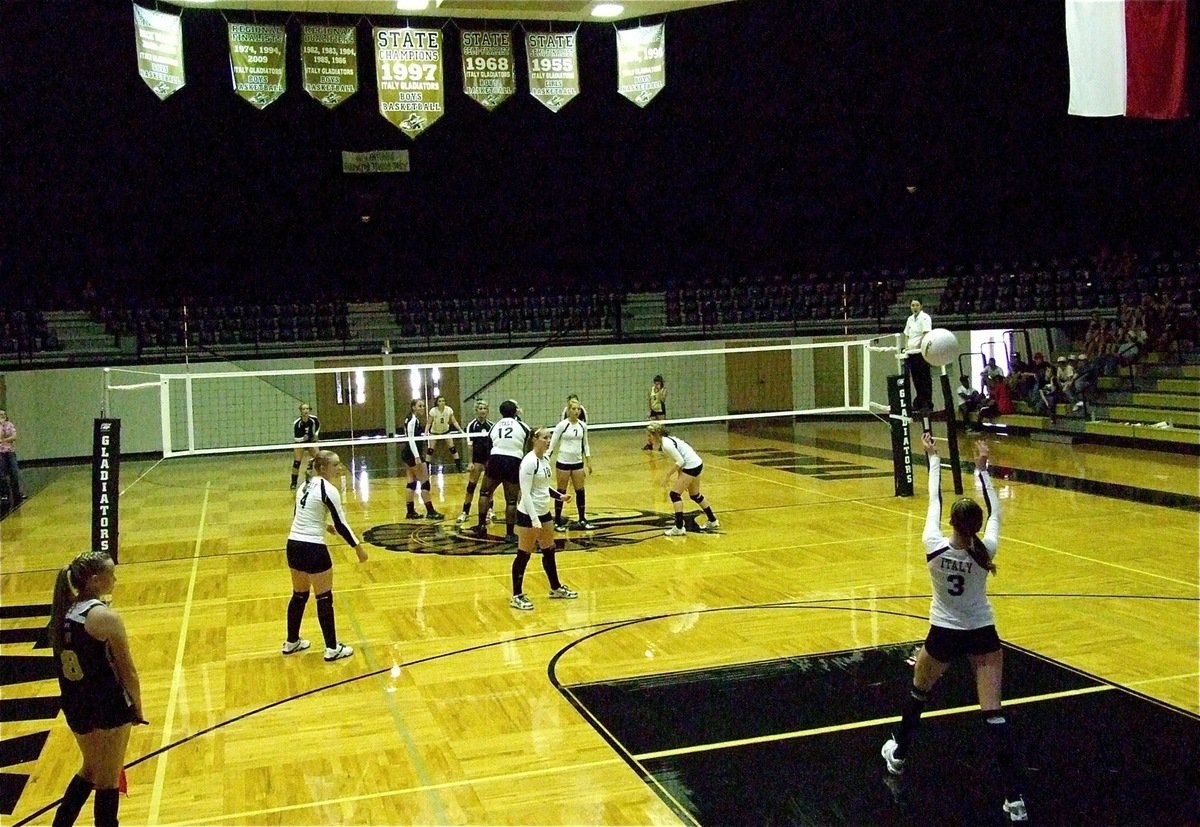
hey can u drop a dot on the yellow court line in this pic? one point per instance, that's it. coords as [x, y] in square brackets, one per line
[1103, 562]
[787, 736]
[228, 818]
[160, 771]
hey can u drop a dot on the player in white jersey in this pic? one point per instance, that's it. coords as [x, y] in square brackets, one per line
[572, 464]
[442, 421]
[308, 556]
[657, 400]
[688, 466]
[416, 470]
[534, 527]
[508, 437]
[480, 448]
[961, 621]
[574, 397]
[306, 430]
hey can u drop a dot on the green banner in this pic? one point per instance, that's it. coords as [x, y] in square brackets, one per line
[159, 50]
[329, 57]
[408, 72]
[489, 71]
[641, 62]
[381, 160]
[256, 59]
[553, 68]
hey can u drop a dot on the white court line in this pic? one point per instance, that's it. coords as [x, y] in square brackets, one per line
[160, 771]
[1102, 562]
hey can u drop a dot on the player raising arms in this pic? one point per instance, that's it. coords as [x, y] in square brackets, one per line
[961, 621]
[572, 464]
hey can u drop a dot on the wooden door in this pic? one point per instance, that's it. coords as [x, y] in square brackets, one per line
[759, 380]
[341, 413]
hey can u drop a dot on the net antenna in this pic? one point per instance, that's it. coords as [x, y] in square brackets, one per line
[220, 411]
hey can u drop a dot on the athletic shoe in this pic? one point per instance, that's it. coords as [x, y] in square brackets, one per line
[511, 539]
[711, 525]
[491, 515]
[647, 447]
[434, 515]
[560, 527]
[896, 765]
[338, 652]
[564, 592]
[291, 647]
[584, 525]
[479, 531]
[520, 601]
[293, 485]
[675, 531]
[461, 518]
[412, 515]
[1016, 810]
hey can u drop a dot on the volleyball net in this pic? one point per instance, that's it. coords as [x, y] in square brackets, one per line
[210, 409]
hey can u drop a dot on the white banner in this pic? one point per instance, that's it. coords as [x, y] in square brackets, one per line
[159, 50]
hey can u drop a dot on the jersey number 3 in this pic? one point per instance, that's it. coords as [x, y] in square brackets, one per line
[956, 584]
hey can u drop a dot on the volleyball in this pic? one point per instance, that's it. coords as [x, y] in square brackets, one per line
[939, 347]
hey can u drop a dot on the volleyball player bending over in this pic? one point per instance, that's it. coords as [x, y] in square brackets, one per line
[687, 467]
[961, 621]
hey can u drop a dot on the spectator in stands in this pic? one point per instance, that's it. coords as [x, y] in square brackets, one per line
[8, 458]
[1064, 376]
[1086, 376]
[969, 399]
[915, 328]
[997, 403]
[991, 370]
[1048, 394]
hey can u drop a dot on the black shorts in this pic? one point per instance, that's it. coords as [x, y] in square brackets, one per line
[310, 558]
[523, 520]
[480, 451]
[692, 472]
[946, 645]
[569, 466]
[406, 454]
[504, 468]
[108, 712]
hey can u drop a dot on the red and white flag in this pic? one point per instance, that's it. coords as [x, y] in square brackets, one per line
[1127, 57]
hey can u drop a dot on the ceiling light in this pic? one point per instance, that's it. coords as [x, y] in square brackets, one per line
[607, 9]
[412, 5]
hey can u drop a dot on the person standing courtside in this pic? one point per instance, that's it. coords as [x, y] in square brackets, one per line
[481, 448]
[416, 470]
[961, 622]
[687, 468]
[8, 458]
[308, 555]
[915, 328]
[657, 399]
[101, 693]
[306, 430]
[534, 527]
[508, 437]
[573, 464]
[442, 421]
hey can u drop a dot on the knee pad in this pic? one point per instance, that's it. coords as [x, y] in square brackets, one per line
[412, 486]
[696, 498]
[325, 597]
[295, 463]
[300, 597]
[676, 497]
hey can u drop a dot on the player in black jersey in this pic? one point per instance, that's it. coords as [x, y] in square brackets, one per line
[101, 694]
[417, 471]
[481, 448]
[305, 431]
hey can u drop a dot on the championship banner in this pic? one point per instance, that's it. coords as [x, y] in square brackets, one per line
[329, 59]
[381, 160]
[106, 488]
[489, 71]
[159, 50]
[256, 59]
[641, 62]
[408, 72]
[553, 68]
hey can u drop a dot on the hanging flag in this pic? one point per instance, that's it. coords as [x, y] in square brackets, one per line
[553, 68]
[329, 57]
[1127, 58]
[256, 60]
[159, 50]
[641, 62]
[408, 72]
[380, 160]
[489, 72]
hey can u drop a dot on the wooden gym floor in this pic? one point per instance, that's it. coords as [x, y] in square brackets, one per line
[747, 677]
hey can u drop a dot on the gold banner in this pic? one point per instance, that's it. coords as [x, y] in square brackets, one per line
[329, 57]
[256, 58]
[553, 68]
[381, 160]
[159, 50]
[408, 72]
[489, 71]
[641, 62]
